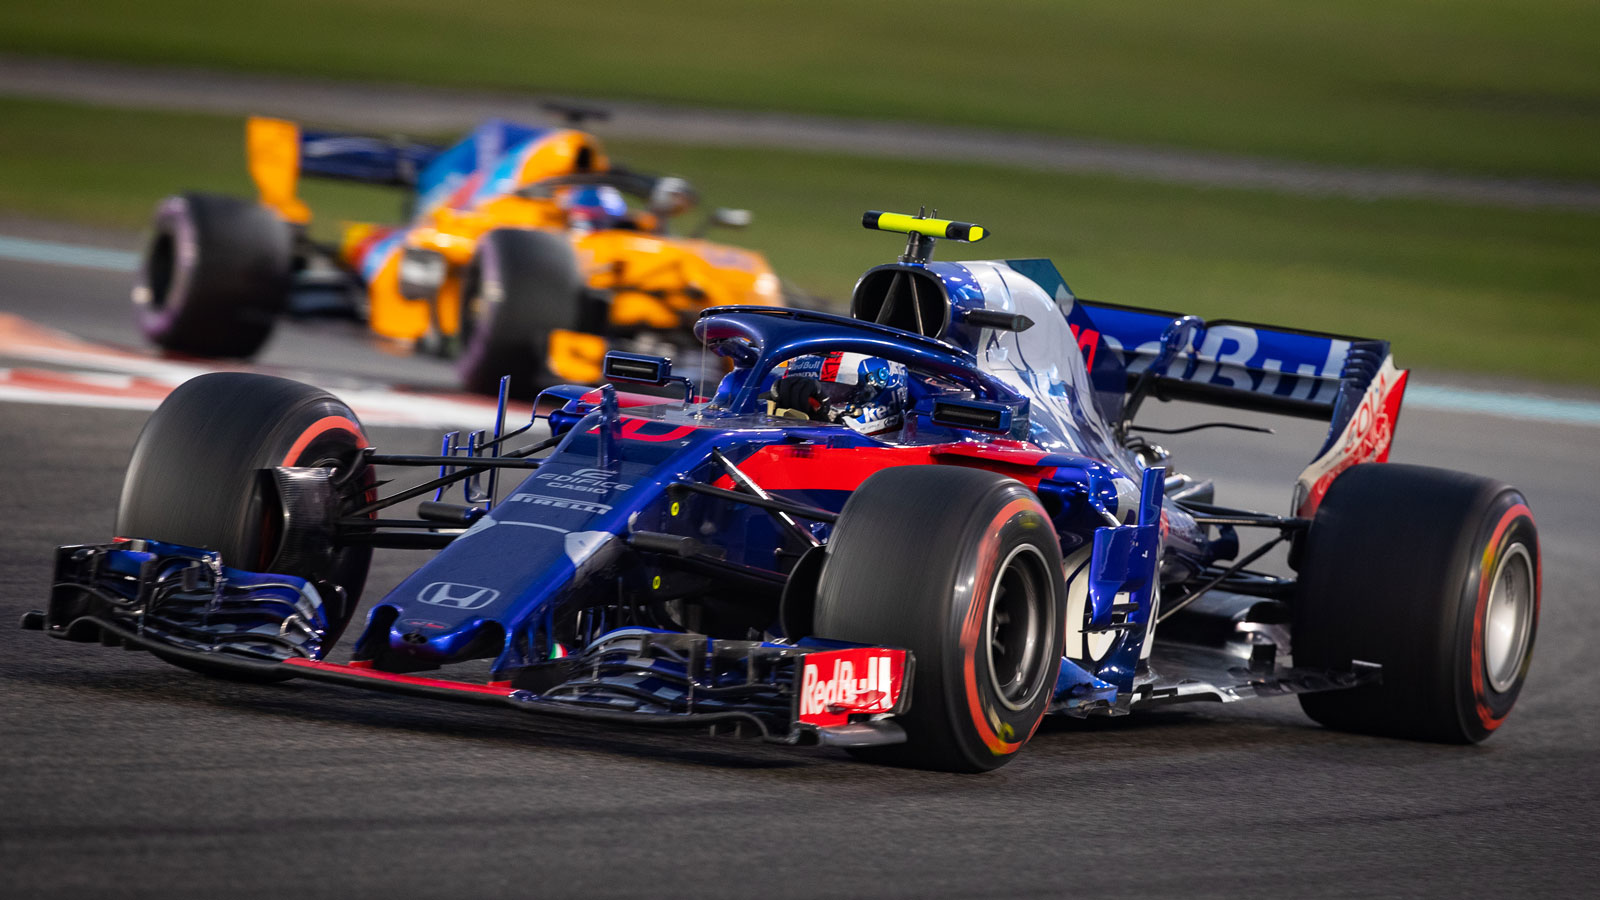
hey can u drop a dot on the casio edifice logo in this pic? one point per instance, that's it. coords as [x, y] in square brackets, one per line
[457, 596]
[588, 481]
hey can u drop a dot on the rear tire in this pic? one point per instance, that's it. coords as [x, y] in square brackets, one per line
[196, 476]
[963, 568]
[521, 285]
[1432, 574]
[215, 276]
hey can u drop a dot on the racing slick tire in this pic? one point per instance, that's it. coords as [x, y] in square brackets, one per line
[200, 476]
[963, 568]
[1435, 576]
[521, 285]
[215, 275]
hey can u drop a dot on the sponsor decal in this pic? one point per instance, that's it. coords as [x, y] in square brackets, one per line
[1088, 339]
[587, 481]
[424, 623]
[457, 596]
[1366, 438]
[830, 366]
[560, 503]
[635, 429]
[1241, 357]
[839, 683]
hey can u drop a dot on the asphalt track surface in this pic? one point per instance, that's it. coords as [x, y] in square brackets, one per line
[123, 776]
[389, 108]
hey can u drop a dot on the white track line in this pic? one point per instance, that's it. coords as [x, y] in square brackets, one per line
[83, 374]
[78, 256]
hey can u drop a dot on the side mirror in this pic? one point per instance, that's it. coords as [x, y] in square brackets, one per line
[672, 196]
[723, 217]
[637, 367]
[641, 369]
[422, 272]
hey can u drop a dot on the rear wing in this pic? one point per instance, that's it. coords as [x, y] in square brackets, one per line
[280, 152]
[1349, 382]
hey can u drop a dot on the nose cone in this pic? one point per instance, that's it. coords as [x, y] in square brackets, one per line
[435, 643]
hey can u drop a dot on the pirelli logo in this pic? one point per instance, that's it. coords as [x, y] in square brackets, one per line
[560, 503]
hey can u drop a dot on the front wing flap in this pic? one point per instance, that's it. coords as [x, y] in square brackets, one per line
[186, 599]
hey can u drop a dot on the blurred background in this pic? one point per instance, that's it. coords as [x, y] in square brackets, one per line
[1426, 171]
[1423, 171]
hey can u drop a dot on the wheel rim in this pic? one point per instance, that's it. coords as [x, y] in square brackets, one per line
[1508, 624]
[1015, 628]
[159, 268]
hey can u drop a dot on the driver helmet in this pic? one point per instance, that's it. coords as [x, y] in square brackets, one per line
[865, 392]
[595, 207]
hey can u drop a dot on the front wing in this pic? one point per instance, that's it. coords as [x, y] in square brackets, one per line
[184, 605]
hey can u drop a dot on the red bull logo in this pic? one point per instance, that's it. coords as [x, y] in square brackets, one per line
[839, 683]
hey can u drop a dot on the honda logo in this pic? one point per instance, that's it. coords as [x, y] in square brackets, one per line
[457, 596]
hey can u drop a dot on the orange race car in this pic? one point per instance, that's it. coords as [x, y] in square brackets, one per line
[522, 256]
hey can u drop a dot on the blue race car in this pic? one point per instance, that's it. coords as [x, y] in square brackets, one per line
[911, 532]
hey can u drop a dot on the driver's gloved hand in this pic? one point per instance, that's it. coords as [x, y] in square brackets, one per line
[801, 393]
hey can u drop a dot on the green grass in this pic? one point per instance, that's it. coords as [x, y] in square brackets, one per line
[1471, 85]
[1454, 287]
[110, 166]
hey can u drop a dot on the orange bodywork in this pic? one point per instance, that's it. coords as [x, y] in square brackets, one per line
[656, 281]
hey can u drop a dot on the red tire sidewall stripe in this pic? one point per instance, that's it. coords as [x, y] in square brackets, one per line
[315, 430]
[1491, 556]
[972, 626]
[318, 429]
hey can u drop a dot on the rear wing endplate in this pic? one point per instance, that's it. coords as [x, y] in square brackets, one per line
[281, 151]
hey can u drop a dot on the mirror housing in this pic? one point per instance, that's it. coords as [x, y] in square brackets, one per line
[639, 368]
[724, 217]
[672, 196]
[422, 273]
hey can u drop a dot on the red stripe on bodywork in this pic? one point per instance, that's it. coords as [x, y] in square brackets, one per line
[816, 468]
[364, 246]
[632, 428]
[807, 467]
[1004, 453]
[395, 678]
[626, 399]
[463, 194]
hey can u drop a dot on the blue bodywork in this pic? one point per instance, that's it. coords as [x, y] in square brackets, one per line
[566, 585]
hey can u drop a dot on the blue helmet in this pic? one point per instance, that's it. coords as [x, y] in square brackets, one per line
[595, 207]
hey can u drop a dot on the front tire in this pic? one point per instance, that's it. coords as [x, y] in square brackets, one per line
[521, 296]
[963, 568]
[215, 276]
[1432, 574]
[198, 475]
